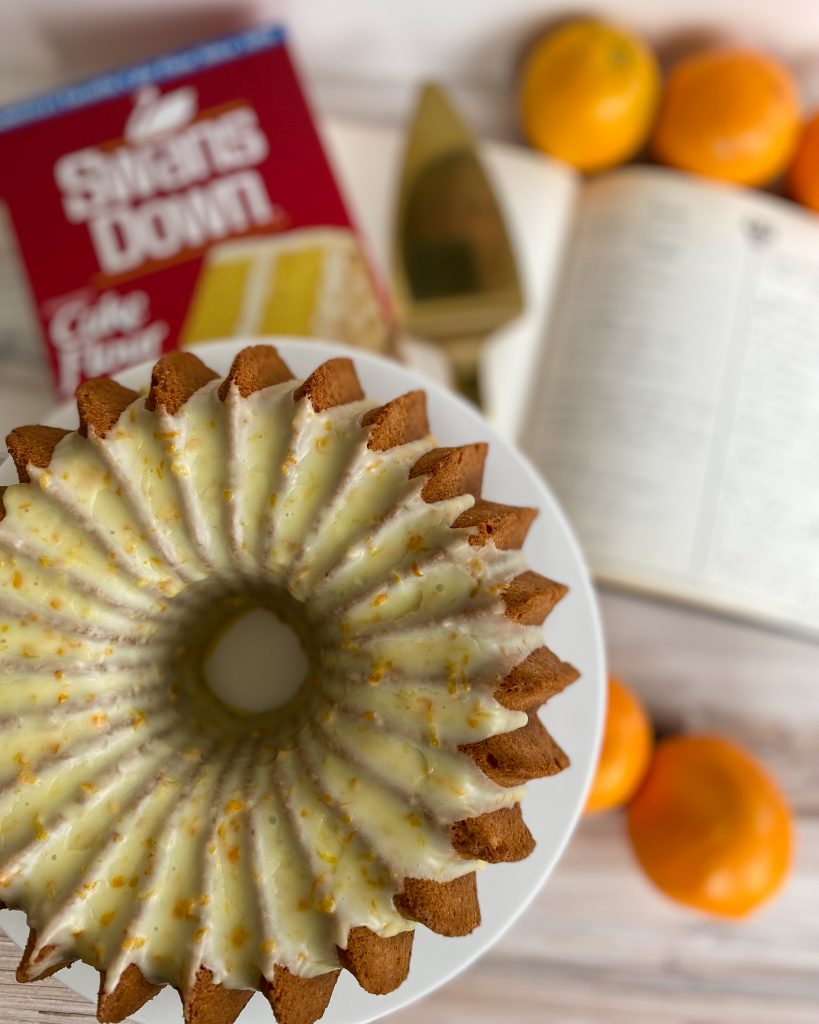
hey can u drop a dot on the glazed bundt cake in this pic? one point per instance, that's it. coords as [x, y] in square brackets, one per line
[166, 837]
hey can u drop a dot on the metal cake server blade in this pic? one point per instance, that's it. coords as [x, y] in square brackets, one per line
[455, 279]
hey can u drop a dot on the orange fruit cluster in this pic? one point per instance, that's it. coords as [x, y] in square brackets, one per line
[728, 114]
[590, 93]
[626, 751]
[710, 827]
[804, 172]
[707, 823]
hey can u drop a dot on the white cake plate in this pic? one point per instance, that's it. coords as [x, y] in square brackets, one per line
[551, 806]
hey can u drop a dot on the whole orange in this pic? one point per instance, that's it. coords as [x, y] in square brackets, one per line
[710, 827]
[588, 93]
[729, 114]
[626, 750]
[803, 176]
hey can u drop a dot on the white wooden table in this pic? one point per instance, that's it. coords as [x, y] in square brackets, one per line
[598, 946]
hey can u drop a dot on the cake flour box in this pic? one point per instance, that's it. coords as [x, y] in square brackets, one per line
[182, 199]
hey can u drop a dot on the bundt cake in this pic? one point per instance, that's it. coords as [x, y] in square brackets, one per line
[164, 836]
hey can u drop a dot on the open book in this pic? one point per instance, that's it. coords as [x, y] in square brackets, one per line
[666, 376]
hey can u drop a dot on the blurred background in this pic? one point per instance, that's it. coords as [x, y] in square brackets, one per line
[367, 59]
[600, 943]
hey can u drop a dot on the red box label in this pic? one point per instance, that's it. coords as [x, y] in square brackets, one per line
[115, 202]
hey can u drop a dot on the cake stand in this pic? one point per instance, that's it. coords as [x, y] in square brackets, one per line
[551, 806]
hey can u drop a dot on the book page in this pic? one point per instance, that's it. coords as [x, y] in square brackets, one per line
[676, 410]
[540, 198]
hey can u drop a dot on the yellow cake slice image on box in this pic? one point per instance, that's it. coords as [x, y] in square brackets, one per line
[311, 282]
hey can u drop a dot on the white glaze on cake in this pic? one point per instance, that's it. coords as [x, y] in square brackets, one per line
[143, 823]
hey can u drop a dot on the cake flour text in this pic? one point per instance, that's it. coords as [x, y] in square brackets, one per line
[100, 335]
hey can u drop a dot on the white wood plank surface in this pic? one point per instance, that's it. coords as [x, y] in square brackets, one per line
[598, 946]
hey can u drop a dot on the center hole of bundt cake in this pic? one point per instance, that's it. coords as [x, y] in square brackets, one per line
[255, 661]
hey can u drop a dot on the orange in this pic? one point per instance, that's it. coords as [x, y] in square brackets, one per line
[588, 94]
[804, 173]
[710, 827]
[728, 114]
[626, 750]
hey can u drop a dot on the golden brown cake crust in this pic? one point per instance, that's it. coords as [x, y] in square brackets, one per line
[208, 1003]
[333, 383]
[496, 836]
[296, 1000]
[100, 403]
[513, 758]
[132, 992]
[530, 597]
[379, 965]
[254, 368]
[27, 969]
[398, 422]
[33, 446]
[448, 908]
[534, 681]
[176, 377]
[505, 525]
[451, 471]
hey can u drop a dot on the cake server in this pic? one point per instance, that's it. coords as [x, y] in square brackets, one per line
[454, 275]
